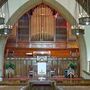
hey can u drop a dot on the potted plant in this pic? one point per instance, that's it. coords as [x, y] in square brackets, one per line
[72, 65]
[71, 69]
[10, 67]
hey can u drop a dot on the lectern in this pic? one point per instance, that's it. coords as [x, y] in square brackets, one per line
[41, 85]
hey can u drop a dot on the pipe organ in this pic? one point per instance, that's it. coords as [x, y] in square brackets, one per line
[42, 24]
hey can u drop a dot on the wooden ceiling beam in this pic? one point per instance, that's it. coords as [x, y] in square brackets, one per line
[83, 3]
[2, 2]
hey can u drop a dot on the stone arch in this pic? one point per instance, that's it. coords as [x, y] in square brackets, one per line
[31, 3]
[58, 7]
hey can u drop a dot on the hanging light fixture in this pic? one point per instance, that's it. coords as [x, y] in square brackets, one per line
[76, 28]
[77, 31]
[84, 18]
[2, 18]
[4, 29]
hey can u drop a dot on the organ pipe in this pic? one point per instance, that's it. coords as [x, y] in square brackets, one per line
[42, 24]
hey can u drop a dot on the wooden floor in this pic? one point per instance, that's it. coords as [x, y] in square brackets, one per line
[73, 87]
[10, 87]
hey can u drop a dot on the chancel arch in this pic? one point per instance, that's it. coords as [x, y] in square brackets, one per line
[56, 39]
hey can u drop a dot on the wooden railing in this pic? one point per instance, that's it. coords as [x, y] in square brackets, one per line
[59, 81]
[42, 44]
[72, 81]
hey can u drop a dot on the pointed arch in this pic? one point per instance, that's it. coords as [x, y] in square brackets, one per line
[32, 3]
[65, 13]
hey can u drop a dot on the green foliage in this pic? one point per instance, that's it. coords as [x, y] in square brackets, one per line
[73, 65]
[10, 65]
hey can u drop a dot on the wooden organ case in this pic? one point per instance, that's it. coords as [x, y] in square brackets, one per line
[42, 24]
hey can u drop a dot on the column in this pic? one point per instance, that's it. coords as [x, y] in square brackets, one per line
[83, 55]
[3, 40]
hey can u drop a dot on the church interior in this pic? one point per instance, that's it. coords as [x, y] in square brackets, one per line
[44, 45]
